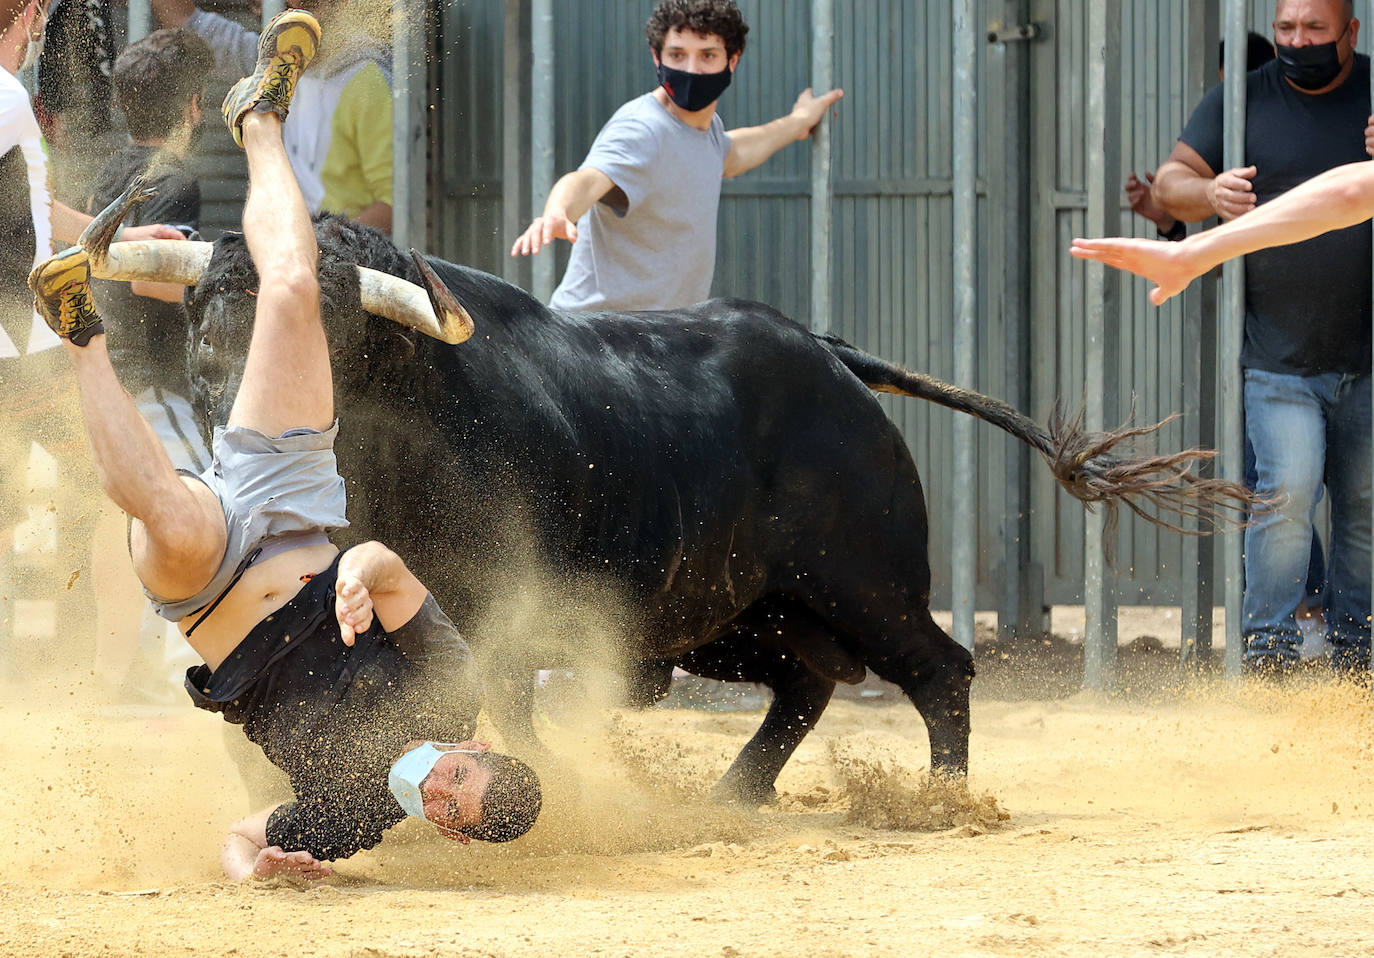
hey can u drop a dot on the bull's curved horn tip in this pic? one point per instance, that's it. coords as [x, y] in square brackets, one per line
[96, 238]
[454, 321]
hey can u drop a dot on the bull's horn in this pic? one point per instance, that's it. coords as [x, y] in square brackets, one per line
[173, 261]
[433, 312]
[154, 261]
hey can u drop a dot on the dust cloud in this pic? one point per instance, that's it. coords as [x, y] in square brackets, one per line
[1185, 821]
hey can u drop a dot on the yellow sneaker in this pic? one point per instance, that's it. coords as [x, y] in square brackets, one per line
[62, 295]
[285, 49]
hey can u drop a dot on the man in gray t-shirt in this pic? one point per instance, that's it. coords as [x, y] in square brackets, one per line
[641, 209]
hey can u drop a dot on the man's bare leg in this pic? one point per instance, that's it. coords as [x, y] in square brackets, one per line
[178, 531]
[287, 381]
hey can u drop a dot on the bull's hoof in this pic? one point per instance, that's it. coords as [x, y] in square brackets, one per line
[100, 233]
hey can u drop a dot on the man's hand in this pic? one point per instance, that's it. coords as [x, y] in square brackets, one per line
[372, 580]
[352, 605]
[542, 232]
[809, 110]
[1141, 197]
[1231, 193]
[272, 862]
[1369, 136]
[1164, 264]
[154, 231]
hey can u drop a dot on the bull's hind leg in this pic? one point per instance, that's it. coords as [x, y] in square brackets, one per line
[799, 698]
[935, 672]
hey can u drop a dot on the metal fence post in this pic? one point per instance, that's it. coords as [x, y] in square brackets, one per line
[1104, 217]
[512, 111]
[1232, 327]
[1022, 589]
[140, 20]
[409, 93]
[965, 194]
[541, 133]
[822, 78]
[1199, 379]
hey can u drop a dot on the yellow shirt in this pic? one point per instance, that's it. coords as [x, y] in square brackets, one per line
[357, 169]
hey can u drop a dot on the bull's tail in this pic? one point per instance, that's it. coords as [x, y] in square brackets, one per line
[1093, 466]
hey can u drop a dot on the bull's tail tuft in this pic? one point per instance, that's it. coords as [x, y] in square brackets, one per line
[1094, 467]
[1104, 467]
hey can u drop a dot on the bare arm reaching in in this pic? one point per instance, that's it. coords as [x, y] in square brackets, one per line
[1336, 199]
[571, 196]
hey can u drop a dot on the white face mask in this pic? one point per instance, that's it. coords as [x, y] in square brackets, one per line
[411, 769]
[31, 53]
[35, 48]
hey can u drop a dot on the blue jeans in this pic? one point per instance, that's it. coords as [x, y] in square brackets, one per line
[1308, 431]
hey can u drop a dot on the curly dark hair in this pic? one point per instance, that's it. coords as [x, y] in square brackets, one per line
[156, 77]
[705, 17]
[512, 800]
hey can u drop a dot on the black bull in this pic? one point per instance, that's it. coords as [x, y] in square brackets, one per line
[727, 478]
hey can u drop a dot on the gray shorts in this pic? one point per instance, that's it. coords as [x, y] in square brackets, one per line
[174, 422]
[268, 488]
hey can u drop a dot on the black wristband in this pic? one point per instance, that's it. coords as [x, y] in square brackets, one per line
[1176, 232]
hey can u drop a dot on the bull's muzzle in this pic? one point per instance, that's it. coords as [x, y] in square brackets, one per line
[170, 261]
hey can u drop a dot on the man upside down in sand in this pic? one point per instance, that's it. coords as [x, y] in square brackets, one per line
[339, 665]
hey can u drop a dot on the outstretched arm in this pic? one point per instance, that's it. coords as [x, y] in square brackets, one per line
[1337, 199]
[751, 145]
[246, 854]
[571, 196]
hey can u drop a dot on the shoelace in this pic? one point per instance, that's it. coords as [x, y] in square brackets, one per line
[280, 80]
[79, 305]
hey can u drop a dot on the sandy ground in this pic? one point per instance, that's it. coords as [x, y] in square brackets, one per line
[1164, 820]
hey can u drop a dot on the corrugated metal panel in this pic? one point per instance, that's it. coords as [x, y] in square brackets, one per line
[892, 239]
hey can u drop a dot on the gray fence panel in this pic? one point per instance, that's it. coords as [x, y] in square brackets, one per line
[892, 238]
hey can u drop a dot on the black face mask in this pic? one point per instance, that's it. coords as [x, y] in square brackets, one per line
[1310, 68]
[693, 91]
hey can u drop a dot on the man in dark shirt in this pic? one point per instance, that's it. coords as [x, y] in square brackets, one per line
[343, 680]
[159, 82]
[1306, 355]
